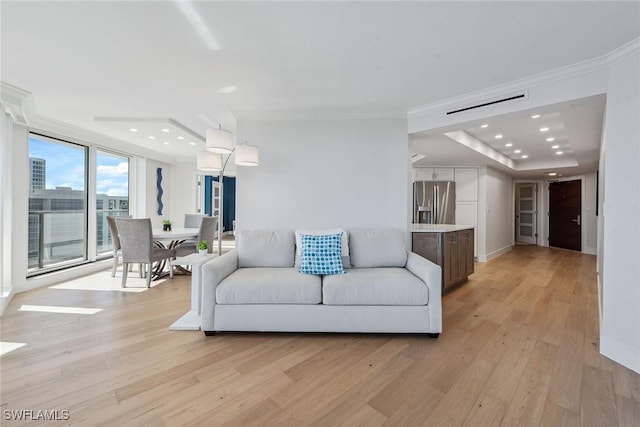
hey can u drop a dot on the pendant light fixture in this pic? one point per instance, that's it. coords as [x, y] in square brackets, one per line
[247, 155]
[208, 161]
[219, 141]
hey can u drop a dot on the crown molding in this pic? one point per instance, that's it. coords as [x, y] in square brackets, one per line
[12, 93]
[17, 102]
[624, 52]
[507, 89]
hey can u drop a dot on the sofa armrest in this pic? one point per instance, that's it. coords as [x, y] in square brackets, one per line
[431, 274]
[214, 272]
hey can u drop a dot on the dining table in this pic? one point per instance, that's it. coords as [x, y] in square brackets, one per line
[170, 239]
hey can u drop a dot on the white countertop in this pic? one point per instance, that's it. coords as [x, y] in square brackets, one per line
[437, 228]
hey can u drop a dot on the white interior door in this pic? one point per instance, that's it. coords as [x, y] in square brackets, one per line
[526, 214]
[216, 194]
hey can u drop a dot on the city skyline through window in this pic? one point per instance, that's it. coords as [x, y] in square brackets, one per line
[112, 199]
[58, 201]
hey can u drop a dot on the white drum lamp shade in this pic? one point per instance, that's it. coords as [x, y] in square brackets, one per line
[247, 155]
[219, 141]
[208, 161]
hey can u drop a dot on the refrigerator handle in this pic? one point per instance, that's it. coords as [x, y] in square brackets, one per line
[436, 210]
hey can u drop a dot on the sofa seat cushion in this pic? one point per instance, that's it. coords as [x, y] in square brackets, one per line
[374, 286]
[269, 286]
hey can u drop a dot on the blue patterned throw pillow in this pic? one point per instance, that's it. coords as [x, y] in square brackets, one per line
[321, 254]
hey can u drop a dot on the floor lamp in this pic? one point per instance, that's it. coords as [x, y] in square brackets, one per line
[219, 142]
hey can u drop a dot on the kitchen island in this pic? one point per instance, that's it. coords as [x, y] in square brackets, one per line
[448, 245]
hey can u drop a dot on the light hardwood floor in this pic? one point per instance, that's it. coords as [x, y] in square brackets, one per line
[519, 347]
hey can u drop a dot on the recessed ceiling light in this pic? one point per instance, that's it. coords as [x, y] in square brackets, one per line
[508, 144]
[559, 153]
[518, 151]
[544, 129]
[555, 146]
[499, 136]
[181, 137]
[535, 116]
[552, 174]
[192, 143]
[484, 126]
[133, 130]
[151, 137]
[524, 156]
[165, 130]
[166, 143]
[551, 139]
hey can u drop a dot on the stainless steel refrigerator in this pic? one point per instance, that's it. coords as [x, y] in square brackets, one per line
[434, 202]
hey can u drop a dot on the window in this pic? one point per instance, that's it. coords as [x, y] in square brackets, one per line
[57, 203]
[59, 211]
[112, 192]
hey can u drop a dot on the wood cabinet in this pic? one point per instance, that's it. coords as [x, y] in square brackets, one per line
[452, 251]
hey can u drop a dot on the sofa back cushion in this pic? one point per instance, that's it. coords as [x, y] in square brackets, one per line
[265, 248]
[377, 247]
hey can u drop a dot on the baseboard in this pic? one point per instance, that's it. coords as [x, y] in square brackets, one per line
[494, 254]
[64, 275]
[589, 251]
[621, 353]
[5, 300]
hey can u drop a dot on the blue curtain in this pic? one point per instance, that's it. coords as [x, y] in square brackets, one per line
[229, 199]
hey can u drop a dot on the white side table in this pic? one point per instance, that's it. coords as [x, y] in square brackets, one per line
[191, 320]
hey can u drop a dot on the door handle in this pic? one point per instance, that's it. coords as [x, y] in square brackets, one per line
[577, 220]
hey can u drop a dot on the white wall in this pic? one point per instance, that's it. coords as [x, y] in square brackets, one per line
[6, 192]
[589, 218]
[498, 213]
[324, 173]
[620, 274]
[151, 194]
[183, 191]
[20, 207]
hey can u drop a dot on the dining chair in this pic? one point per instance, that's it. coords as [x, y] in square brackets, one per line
[192, 220]
[207, 231]
[115, 240]
[136, 240]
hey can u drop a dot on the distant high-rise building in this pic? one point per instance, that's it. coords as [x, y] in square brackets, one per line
[37, 174]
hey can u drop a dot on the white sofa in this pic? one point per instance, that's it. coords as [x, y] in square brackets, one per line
[257, 287]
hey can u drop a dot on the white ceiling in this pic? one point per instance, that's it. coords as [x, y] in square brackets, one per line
[170, 60]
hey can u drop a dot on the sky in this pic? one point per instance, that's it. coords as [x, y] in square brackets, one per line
[65, 167]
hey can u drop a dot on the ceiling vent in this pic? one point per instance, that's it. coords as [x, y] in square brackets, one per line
[515, 97]
[416, 157]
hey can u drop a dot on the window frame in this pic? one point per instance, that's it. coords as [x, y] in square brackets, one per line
[90, 209]
[108, 254]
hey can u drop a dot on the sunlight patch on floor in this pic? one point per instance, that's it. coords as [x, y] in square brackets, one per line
[6, 347]
[102, 281]
[59, 309]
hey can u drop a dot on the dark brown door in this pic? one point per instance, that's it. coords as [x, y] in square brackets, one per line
[565, 207]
